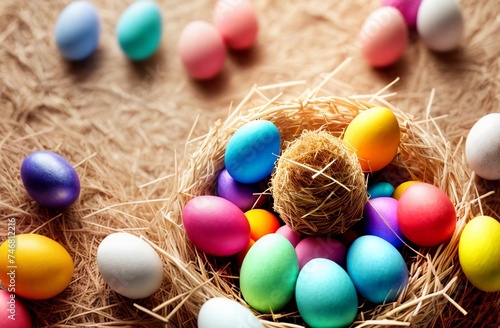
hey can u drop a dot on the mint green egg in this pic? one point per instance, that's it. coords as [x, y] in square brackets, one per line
[139, 30]
[269, 273]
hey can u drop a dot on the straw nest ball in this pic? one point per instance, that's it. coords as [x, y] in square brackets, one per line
[318, 186]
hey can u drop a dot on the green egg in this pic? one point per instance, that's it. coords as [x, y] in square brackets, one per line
[269, 273]
[139, 30]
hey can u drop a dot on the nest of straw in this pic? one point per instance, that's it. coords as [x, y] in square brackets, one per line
[438, 293]
[318, 186]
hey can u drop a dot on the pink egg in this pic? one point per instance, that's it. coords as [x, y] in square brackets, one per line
[320, 247]
[13, 314]
[408, 8]
[383, 37]
[201, 50]
[237, 23]
[215, 225]
[292, 236]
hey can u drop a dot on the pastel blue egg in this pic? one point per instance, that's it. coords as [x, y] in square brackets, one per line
[139, 30]
[77, 30]
[50, 179]
[325, 295]
[377, 269]
[380, 189]
[252, 151]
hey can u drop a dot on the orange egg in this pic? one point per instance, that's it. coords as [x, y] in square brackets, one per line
[374, 136]
[402, 188]
[262, 222]
[34, 266]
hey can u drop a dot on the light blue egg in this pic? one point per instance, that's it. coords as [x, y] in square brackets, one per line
[380, 189]
[252, 151]
[77, 30]
[325, 295]
[377, 269]
[139, 30]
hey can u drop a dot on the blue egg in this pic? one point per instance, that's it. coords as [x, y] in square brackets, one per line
[139, 30]
[380, 189]
[377, 269]
[77, 30]
[325, 295]
[252, 151]
[50, 179]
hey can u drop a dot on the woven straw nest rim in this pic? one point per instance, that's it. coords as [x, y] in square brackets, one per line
[437, 292]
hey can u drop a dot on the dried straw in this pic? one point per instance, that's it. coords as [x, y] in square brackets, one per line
[438, 294]
[318, 185]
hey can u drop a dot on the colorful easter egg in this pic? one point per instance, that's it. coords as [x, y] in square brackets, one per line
[215, 225]
[252, 151]
[50, 179]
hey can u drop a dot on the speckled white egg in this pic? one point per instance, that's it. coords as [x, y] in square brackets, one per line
[482, 148]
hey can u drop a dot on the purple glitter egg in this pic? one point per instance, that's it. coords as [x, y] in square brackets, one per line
[50, 179]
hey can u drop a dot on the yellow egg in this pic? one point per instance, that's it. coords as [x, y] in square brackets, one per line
[34, 266]
[479, 253]
[402, 188]
[375, 136]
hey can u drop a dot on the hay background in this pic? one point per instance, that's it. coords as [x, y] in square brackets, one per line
[121, 123]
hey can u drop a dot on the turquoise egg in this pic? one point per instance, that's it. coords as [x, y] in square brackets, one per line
[77, 30]
[380, 189]
[325, 295]
[269, 273]
[139, 30]
[377, 269]
[252, 151]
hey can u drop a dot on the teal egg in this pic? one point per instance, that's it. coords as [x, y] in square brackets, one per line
[377, 269]
[269, 273]
[380, 189]
[139, 30]
[252, 151]
[325, 295]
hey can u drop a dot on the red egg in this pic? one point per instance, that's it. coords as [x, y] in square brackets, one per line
[237, 22]
[426, 215]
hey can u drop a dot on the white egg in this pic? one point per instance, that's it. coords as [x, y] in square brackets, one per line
[129, 265]
[220, 312]
[482, 148]
[440, 24]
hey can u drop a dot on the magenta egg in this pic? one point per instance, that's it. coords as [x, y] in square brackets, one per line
[320, 247]
[408, 8]
[13, 313]
[215, 225]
